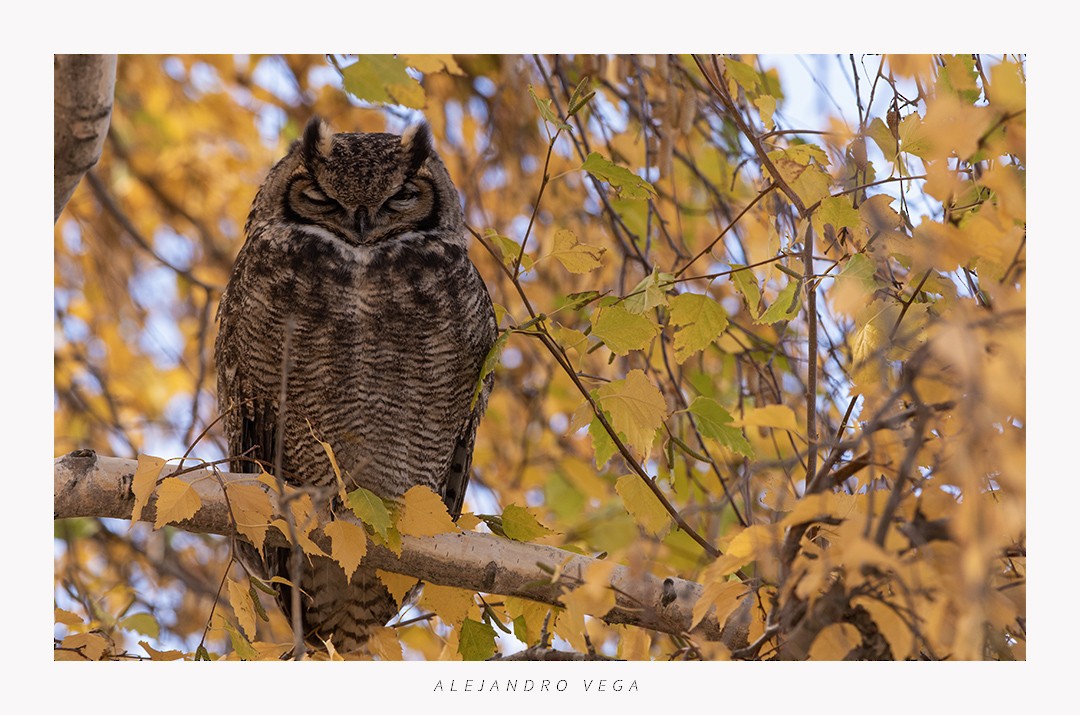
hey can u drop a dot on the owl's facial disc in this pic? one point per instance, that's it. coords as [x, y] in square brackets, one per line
[365, 188]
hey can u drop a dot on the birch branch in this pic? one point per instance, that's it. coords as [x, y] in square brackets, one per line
[88, 485]
[82, 105]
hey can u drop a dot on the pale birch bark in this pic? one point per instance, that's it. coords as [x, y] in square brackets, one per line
[82, 105]
[86, 484]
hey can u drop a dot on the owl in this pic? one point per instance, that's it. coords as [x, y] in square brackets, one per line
[353, 313]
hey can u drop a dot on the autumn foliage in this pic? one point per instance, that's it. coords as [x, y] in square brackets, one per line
[786, 362]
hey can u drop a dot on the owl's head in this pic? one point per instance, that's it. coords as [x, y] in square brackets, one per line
[365, 188]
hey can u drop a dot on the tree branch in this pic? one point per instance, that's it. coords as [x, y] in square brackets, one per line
[82, 105]
[88, 485]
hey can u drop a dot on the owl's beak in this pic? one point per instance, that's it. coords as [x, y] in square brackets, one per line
[360, 221]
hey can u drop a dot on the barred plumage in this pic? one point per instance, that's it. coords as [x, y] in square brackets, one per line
[357, 240]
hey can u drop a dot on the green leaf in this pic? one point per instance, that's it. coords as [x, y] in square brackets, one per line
[520, 524]
[621, 330]
[715, 422]
[509, 249]
[544, 105]
[476, 640]
[700, 320]
[861, 269]
[580, 97]
[371, 510]
[648, 293]
[784, 307]
[744, 75]
[746, 283]
[913, 138]
[521, 629]
[626, 183]
[382, 78]
[490, 361]
[576, 301]
[141, 623]
[636, 409]
[881, 135]
[643, 505]
[959, 77]
[240, 644]
[838, 211]
[803, 154]
[604, 447]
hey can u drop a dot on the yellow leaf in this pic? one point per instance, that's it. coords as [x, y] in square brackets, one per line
[303, 538]
[777, 416]
[912, 65]
[468, 521]
[643, 505]
[574, 342]
[270, 651]
[594, 597]
[953, 127]
[397, 584]
[899, 635]
[1007, 90]
[331, 651]
[240, 600]
[528, 617]
[751, 543]
[814, 507]
[252, 510]
[269, 480]
[142, 486]
[835, 641]
[423, 513]
[84, 646]
[725, 595]
[766, 105]
[161, 654]
[447, 602]
[700, 320]
[575, 257]
[333, 463]
[66, 618]
[856, 553]
[176, 501]
[433, 63]
[241, 645]
[348, 544]
[634, 643]
[636, 408]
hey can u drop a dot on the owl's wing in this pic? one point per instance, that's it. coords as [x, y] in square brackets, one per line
[457, 479]
[483, 331]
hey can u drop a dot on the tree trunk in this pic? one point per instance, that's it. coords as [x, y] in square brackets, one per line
[82, 105]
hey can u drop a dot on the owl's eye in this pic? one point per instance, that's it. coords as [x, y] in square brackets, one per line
[405, 197]
[317, 197]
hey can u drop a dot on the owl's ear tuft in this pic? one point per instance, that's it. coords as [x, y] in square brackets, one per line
[416, 141]
[317, 139]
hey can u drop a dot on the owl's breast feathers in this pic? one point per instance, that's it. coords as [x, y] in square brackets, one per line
[386, 348]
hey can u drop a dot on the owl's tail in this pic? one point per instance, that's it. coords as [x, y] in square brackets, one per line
[343, 612]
